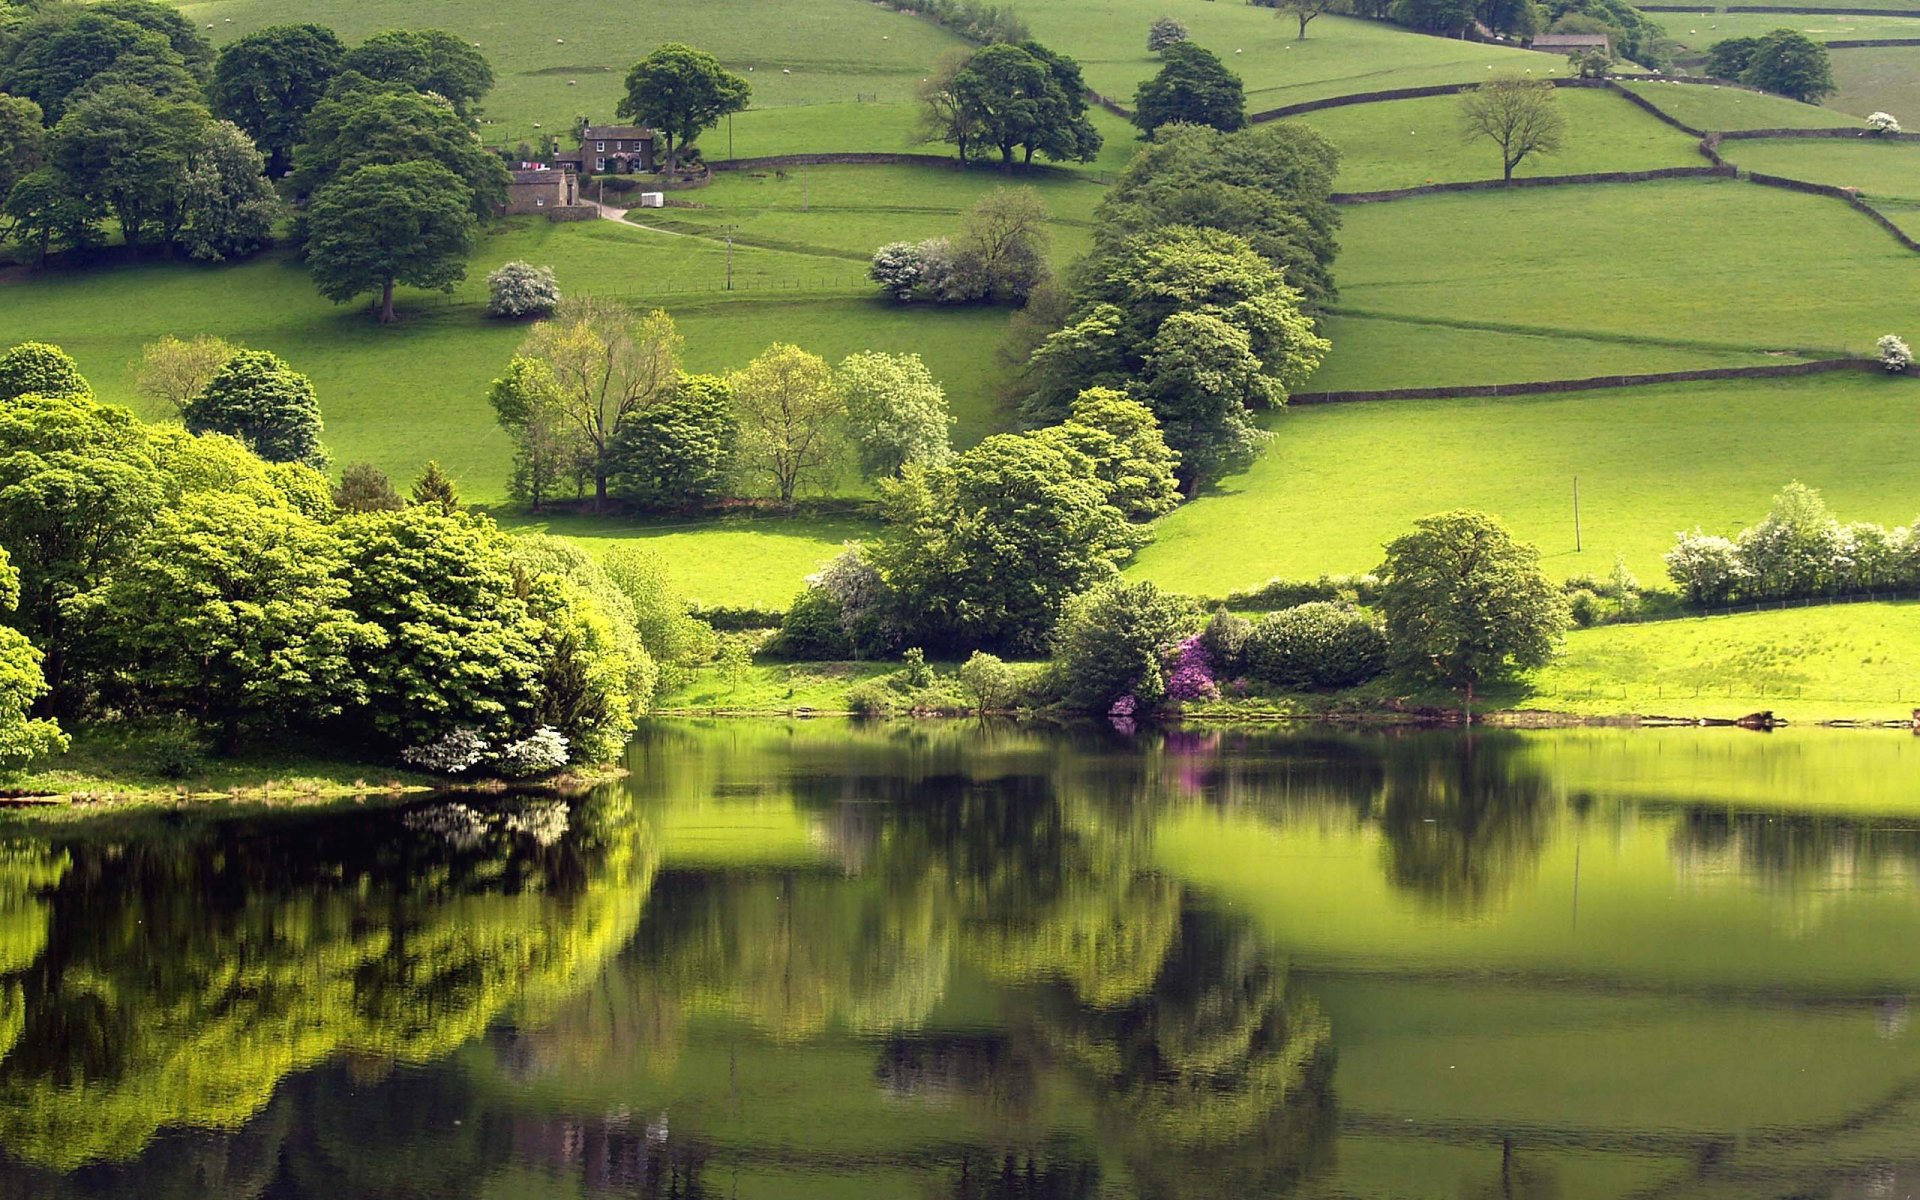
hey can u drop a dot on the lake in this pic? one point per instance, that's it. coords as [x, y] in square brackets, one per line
[812, 959]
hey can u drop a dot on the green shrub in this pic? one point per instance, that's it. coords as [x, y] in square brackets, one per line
[1113, 642]
[812, 629]
[871, 699]
[175, 751]
[919, 674]
[1585, 606]
[988, 681]
[1225, 638]
[1319, 644]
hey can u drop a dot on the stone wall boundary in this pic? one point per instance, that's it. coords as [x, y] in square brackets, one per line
[1532, 181]
[1597, 383]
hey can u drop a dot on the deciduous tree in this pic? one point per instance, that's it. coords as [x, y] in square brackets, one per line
[426, 60]
[374, 126]
[1521, 116]
[23, 737]
[229, 207]
[23, 141]
[792, 419]
[1791, 64]
[679, 452]
[896, 410]
[1193, 87]
[268, 81]
[129, 150]
[40, 369]
[680, 92]
[1122, 440]
[270, 407]
[384, 225]
[47, 210]
[174, 373]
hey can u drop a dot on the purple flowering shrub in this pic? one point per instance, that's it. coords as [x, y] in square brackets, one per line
[1191, 674]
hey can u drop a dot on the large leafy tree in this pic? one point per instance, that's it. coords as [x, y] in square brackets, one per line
[607, 369]
[460, 646]
[426, 60]
[985, 552]
[386, 225]
[1464, 602]
[232, 610]
[77, 484]
[1066, 134]
[1113, 640]
[57, 55]
[182, 36]
[896, 410]
[1788, 63]
[1014, 100]
[679, 453]
[228, 206]
[129, 150]
[792, 419]
[1193, 87]
[23, 737]
[1121, 438]
[270, 407]
[547, 448]
[23, 141]
[1520, 116]
[367, 126]
[681, 91]
[268, 81]
[46, 210]
[40, 369]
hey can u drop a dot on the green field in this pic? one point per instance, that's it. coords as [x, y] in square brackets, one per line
[1852, 660]
[1697, 32]
[1341, 56]
[1406, 143]
[1613, 260]
[1877, 79]
[1710, 107]
[1880, 170]
[1341, 480]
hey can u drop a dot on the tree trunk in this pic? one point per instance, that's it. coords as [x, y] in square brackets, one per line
[599, 489]
[386, 302]
[1006, 159]
[1507, 166]
[1304, 18]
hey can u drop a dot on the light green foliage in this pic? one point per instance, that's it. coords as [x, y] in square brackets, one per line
[612, 637]
[173, 372]
[233, 610]
[986, 552]
[675, 639]
[1464, 602]
[383, 225]
[22, 737]
[549, 450]
[128, 151]
[230, 207]
[304, 489]
[1520, 116]
[433, 490]
[678, 454]
[1122, 440]
[987, 679]
[1193, 88]
[792, 420]
[77, 486]
[268, 81]
[897, 412]
[426, 60]
[209, 462]
[39, 369]
[258, 398]
[680, 92]
[1114, 641]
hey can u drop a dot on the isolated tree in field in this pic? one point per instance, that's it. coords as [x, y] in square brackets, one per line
[681, 91]
[1017, 101]
[520, 289]
[426, 60]
[268, 81]
[41, 369]
[1790, 64]
[791, 419]
[433, 490]
[1304, 11]
[229, 207]
[679, 453]
[231, 610]
[46, 210]
[608, 367]
[256, 397]
[1164, 32]
[23, 141]
[386, 225]
[1521, 116]
[896, 411]
[128, 150]
[1464, 602]
[365, 488]
[174, 373]
[22, 684]
[1065, 132]
[1193, 87]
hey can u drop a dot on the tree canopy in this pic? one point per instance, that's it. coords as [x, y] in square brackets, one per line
[1520, 116]
[1192, 87]
[384, 225]
[268, 81]
[681, 92]
[426, 60]
[257, 398]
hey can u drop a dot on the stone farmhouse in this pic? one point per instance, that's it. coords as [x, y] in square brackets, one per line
[538, 190]
[610, 150]
[1571, 43]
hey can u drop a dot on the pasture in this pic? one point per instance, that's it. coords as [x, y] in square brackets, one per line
[1877, 79]
[1407, 143]
[1696, 32]
[1339, 481]
[1710, 107]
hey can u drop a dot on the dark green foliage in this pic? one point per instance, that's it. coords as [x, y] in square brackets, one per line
[269, 406]
[1023, 98]
[39, 369]
[1790, 64]
[1225, 638]
[267, 82]
[23, 141]
[368, 126]
[986, 552]
[1435, 16]
[58, 54]
[181, 35]
[365, 488]
[433, 490]
[812, 629]
[1193, 87]
[1464, 602]
[678, 453]
[1316, 645]
[680, 92]
[48, 212]
[127, 150]
[407, 223]
[1114, 641]
[1730, 57]
[426, 60]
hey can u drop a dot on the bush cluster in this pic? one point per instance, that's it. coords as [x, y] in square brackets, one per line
[1799, 551]
[1319, 644]
[971, 19]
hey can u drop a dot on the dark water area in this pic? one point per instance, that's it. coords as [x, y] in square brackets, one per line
[811, 959]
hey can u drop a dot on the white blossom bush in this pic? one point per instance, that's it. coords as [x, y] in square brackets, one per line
[520, 289]
[541, 752]
[1895, 355]
[449, 754]
[545, 822]
[1706, 568]
[1881, 122]
[914, 270]
[1164, 32]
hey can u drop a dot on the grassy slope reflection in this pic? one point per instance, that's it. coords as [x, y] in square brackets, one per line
[185, 975]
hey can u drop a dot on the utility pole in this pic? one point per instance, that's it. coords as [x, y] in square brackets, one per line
[1576, 514]
[730, 230]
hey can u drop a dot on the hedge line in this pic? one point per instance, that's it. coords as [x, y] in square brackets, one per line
[1863, 43]
[1490, 390]
[1494, 185]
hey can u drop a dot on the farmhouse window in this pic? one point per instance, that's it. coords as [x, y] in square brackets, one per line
[599, 164]
[600, 146]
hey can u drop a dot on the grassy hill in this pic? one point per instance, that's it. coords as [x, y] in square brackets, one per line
[1709, 106]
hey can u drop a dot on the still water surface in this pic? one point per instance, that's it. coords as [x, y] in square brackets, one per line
[815, 960]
